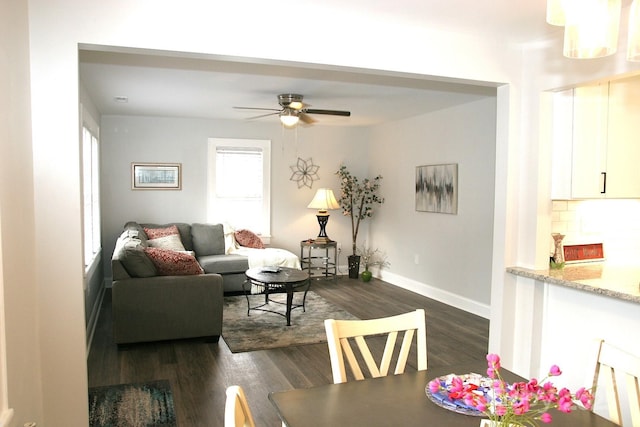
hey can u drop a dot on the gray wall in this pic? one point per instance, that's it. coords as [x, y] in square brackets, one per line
[454, 251]
[147, 139]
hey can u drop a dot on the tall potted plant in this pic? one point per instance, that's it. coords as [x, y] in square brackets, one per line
[357, 200]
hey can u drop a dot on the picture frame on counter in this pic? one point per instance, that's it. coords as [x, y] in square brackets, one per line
[156, 176]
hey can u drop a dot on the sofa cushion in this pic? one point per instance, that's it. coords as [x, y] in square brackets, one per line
[171, 242]
[136, 262]
[248, 239]
[183, 229]
[136, 230]
[224, 264]
[129, 251]
[208, 239]
[156, 233]
[172, 263]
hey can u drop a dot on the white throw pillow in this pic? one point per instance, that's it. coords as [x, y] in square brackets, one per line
[171, 242]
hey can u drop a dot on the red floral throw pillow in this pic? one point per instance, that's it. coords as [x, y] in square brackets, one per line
[154, 233]
[248, 239]
[172, 263]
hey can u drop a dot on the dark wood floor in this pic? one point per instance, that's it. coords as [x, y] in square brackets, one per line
[200, 372]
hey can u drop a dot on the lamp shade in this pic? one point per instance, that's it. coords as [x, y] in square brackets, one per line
[324, 200]
[591, 28]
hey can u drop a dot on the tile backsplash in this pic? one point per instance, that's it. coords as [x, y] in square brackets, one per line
[615, 223]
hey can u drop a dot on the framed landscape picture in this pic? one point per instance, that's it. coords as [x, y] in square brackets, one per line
[437, 188]
[156, 176]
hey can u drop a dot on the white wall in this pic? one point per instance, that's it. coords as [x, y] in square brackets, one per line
[21, 292]
[453, 251]
[147, 139]
[56, 29]
[611, 222]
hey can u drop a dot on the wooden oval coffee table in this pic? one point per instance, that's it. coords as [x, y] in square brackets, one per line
[269, 279]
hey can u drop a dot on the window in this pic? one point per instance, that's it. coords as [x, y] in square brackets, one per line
[91, 189]
[239, 184]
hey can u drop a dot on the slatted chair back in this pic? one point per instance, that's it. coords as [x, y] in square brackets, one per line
[236, 410]
[340, 332]
[614, 364]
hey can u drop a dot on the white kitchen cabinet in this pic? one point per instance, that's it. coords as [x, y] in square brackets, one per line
[589, 153]
[623, 141]
[562, 137]
[603, 121]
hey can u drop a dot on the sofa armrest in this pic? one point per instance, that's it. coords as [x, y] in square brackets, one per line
[167, 307]
[118, 272]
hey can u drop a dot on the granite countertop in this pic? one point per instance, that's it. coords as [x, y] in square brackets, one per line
[615, 281]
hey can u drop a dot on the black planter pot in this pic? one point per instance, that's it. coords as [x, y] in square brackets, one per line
[354, 266]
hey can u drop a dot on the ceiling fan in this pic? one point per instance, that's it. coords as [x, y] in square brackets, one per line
[294, 110]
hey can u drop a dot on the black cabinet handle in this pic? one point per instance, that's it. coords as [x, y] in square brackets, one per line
[604, 182]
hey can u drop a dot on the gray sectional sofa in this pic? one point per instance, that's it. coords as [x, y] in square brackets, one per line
[207, 241]
[150, 306]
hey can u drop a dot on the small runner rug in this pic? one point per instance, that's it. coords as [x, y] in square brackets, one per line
[132, 405]
[263, 330]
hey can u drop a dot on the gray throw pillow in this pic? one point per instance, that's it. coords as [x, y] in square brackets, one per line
[135, 230]
[208, 239]
[135, 261]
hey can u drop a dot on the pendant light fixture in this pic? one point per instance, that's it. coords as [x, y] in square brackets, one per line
[633, 46]
[591, 28]
[555, 13]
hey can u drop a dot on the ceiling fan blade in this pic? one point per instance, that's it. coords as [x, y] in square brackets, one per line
[328, 112]
[257, 108]
[306, 118]
[263, 115]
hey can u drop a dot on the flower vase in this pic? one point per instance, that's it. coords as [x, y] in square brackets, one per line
[366, 275]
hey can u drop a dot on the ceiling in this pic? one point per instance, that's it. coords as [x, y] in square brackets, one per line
[156, 84]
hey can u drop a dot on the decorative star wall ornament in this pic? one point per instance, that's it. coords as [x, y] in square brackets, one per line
[304, 173]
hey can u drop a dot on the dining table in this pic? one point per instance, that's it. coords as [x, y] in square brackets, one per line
[396, 400]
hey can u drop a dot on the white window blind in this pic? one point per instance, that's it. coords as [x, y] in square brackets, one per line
[239, 184]
[91, 190]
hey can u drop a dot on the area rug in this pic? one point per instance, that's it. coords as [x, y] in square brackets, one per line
[132, 405]
[262, 330]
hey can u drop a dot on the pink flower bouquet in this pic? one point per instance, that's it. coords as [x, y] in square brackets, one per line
[519, 403]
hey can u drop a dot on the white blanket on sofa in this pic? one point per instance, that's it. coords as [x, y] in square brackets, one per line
[268, 257]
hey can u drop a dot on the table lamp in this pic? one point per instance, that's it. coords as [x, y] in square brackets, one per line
[323, 201]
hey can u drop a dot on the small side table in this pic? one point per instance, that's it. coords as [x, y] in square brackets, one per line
[320, 259]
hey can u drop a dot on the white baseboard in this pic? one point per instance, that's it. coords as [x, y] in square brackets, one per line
[454, 300]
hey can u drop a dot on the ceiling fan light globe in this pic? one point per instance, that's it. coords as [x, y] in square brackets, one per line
[289, 120]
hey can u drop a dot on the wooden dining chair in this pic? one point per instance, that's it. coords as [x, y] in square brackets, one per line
[340, 332]
[613, 364]
[236, 410]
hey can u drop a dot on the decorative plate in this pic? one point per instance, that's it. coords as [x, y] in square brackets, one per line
[443, 400]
